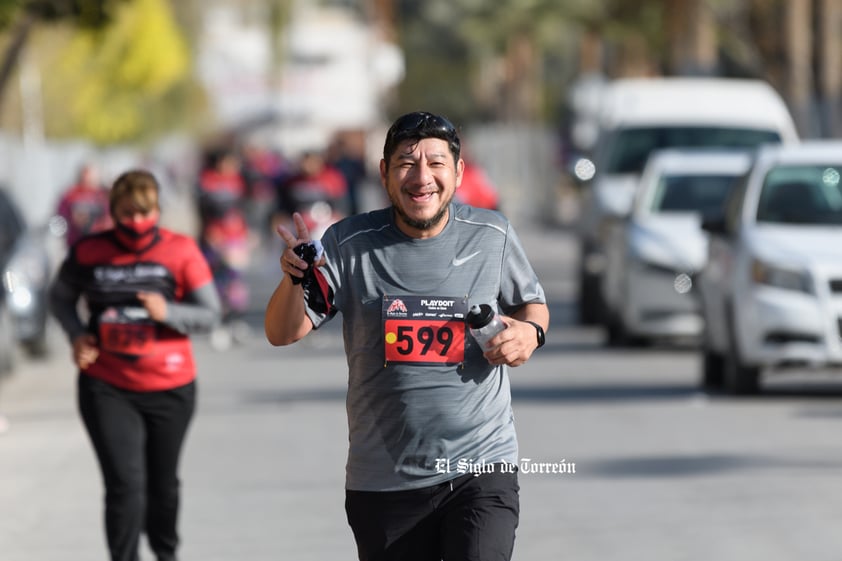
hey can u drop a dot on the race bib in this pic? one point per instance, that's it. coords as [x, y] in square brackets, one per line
[424, 329]
[127, 331]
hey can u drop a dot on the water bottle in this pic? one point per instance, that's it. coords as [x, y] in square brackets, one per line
[484, 324]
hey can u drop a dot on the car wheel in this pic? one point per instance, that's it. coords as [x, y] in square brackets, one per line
[590, 300]
[615, 331]
[713, 365]
[37, 347]
[619, 335]
[8, 344]
[739, 378]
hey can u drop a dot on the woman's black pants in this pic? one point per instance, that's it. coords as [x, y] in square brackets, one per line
[138, 438]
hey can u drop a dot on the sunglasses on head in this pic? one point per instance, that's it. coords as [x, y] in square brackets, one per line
[417, 125]
[422, 121]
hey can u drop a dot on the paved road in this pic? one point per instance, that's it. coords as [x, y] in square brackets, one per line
[663, 472]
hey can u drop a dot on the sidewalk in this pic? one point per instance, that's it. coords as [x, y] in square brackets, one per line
[262, 470]
[45, 464]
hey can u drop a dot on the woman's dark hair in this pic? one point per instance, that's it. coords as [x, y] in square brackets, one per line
[138, 185]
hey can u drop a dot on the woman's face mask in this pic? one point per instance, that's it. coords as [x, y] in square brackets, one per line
[136, 230]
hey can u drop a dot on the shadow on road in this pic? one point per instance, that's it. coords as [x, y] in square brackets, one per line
[603, 392]
[305, 395]
[694, 465]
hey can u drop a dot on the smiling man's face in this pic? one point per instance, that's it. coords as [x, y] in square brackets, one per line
[420, 179]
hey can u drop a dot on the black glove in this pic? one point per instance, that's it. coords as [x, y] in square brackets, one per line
[308, 252]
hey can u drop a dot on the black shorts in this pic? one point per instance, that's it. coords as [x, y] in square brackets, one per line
[466, 519]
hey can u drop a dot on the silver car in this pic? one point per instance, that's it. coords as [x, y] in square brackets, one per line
[25, 269]
[653, 255]
[772, 286]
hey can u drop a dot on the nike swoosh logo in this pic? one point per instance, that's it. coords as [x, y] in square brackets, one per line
[460, 260]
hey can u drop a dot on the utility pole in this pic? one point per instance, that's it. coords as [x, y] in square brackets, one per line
[829, 67]
[798, 17]
[691, 38]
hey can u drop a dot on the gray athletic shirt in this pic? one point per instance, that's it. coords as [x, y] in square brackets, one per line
[407, 421]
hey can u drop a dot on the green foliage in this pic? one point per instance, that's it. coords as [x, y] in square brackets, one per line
[92, 13]
[8, 11]
[84, 13]
[456, 49]
[449, 43]
[116, 75]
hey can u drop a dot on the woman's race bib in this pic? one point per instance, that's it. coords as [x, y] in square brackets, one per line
[127, 331]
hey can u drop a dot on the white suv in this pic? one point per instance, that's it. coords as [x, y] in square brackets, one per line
[771, 290]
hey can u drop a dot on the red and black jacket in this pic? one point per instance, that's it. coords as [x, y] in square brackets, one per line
[136, 353]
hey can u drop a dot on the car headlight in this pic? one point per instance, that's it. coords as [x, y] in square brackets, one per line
[780, 277]
[20, 297]
[584, 169]
[27, 267]
[26, 273]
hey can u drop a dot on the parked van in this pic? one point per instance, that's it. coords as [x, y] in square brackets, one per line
[640, 115]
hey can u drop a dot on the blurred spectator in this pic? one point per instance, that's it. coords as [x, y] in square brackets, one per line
[225, 238]
[314, 178]
[347, 154]
[84, 205]
[317, 190]
[221, 187]
[476, 188]
[262, 170]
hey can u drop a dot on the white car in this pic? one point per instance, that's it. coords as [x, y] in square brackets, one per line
[653, 255]
[640, 115]
[771, 290]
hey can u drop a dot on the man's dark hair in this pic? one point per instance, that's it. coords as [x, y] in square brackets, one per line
[417, 126]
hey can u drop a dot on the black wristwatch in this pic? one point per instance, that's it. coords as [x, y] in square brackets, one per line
[540, 330]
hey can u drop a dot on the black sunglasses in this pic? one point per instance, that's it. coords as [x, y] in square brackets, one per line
[422, 121]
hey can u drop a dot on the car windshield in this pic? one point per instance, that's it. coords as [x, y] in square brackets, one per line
[704, 194]
[629, 148]
[802, 195]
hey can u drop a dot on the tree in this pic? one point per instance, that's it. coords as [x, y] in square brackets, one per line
[21, 18]
[474, 60]
[112, 70]
[118, 74]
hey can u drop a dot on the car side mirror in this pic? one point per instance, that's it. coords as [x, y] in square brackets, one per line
[715, 225]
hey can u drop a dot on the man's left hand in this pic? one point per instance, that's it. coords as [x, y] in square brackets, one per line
[514, 345]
